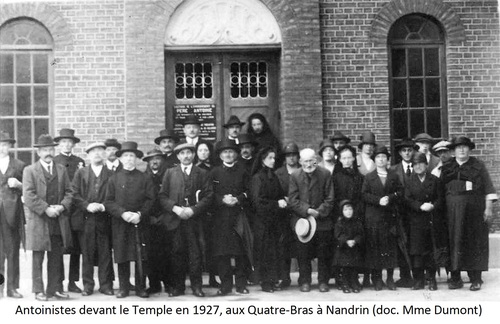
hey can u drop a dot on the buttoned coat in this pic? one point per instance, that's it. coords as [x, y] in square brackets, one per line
[172, 194]
[319, 195]
[10, 198]
[34, 194]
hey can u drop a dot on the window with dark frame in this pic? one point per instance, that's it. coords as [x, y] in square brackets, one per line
[417, 76]
[25, 83]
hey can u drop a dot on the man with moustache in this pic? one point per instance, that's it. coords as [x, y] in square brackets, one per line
[233, 128]
[47, 196]
[311, 194]
[112, 161]
[404, 169]
[185, 195]
[158, 247]
[425, 142]
[286, 245]
[11, 215]
[89, 192]
[247, 146]
[67, 141]
[129, 199]
[166, 143]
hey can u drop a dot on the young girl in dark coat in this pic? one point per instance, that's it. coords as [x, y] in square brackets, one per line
[349, 250]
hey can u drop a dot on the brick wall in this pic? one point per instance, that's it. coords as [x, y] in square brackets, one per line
[355, 69]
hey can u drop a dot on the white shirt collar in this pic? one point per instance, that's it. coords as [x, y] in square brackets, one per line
[193, 141]
[228, 165]
[405, 165]
[46, 165]
[97, 169]
[115, 164]
[4, 163]
[67, 154]
[186, 168]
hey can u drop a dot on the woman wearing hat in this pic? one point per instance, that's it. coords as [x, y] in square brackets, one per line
[327, 153]
[424, 198]
[364, 158]
[381, 193]
[231, 192]
[269, 200]
[469, 201]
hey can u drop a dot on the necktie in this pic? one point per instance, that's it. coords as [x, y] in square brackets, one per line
[50, 169]
[186, 171]
[408, 171]
[113, 168]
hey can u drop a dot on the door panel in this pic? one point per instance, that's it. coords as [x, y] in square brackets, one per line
[218, 85]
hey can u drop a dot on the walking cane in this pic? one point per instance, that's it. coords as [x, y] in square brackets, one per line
[138, 250]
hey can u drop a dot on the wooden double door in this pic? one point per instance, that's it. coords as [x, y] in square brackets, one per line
[214, 86]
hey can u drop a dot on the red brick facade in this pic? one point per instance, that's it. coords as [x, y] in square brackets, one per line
[109, 67]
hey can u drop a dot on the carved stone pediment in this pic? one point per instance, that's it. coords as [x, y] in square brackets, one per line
[222, 22]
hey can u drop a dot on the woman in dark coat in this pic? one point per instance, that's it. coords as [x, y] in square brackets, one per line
[469, 202]
[259, 128]
[424, 196]
[231, 191]
[268, 200]
[349, 250]
[381, 193]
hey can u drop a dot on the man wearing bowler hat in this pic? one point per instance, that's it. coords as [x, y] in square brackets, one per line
[247, 146]
[233, 128]
[158, 247]
[404, 169]
[185, 195]
[11, 215]
[47, 196]
[166, 143]
[191, 128]
[129, 198]
[311, 194]
[67, 141]
[425, 142]
[89, 191]
[112, 161]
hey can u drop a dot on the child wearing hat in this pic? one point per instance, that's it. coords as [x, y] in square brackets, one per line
[348, 252]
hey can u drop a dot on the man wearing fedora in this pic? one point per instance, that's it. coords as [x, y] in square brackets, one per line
[233, 128]
[404, 169]
[364, 159]
[469, 196]
[48, 198]
[185, 195]
[424, 142]
[11, 215]
[129, 198]
[112, 161]
[191, 128]
[286, 245]
[158, 247]
[89, 191]
[311, 195]
[166, 143]
[247, 146]
[67, 141]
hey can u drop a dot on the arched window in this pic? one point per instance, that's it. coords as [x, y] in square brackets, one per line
[417, 76]
[25, 83]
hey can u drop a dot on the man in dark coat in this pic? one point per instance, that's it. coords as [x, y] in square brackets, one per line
[11, 215]
[404, 169]
[166, 142]
[469, 206]
[185, 195]
[247, 146]
[47, 196]
[230, 228]
[233, 127]
[89, 191]
[286, 243]
[158, 245]
[311, 194]
[67, 142]
[129, 198]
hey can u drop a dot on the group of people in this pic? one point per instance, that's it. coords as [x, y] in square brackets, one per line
[241, 209]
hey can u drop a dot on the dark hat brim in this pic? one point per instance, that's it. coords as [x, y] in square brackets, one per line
[231, 124]
[360, 145]
[44, 145]
[346, 139]
[471, 145]
[401, 145]
[228, 147]
[8, 140]
[75, 139]
[192, 148]
[138, 153]
[160, 138]
[150, 156]
[320, 152]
